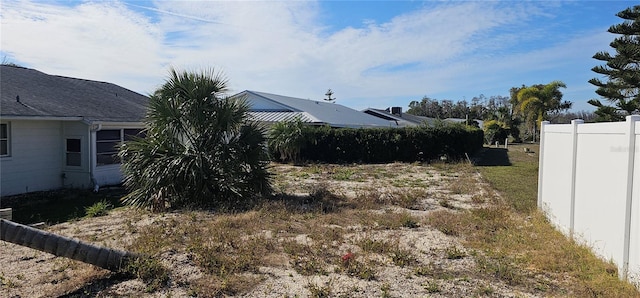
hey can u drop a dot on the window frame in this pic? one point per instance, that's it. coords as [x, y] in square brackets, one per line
[6, 139]
[75, 153]
[123, 135]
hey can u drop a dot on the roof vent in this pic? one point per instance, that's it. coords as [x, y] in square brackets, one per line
[17, 98]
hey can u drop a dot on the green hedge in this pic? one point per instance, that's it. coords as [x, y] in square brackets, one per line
[379, 145]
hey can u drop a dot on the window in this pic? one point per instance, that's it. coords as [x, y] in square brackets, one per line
[4, 139]
[74, 154]
[107, 142]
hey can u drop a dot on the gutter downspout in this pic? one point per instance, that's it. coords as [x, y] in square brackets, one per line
[93, 128]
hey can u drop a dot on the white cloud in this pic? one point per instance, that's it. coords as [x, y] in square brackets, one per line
[282, 46]
[102, 41]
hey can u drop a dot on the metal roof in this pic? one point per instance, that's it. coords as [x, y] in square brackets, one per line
[319, 112]
[30, 93]
[266, 116]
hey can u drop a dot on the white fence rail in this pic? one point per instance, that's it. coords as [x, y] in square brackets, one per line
[589, 187]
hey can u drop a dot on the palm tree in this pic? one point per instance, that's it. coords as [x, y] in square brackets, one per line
[61, 246]
[287, 139]
[199, 148]
[537, 101]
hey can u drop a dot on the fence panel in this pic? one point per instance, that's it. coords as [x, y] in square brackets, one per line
[556, 173]
[589, 187]
[600, 191]
[634, 229]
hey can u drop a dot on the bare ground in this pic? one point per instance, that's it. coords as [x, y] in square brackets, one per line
[433, 272]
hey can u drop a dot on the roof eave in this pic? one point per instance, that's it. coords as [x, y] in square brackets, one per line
[41, 118]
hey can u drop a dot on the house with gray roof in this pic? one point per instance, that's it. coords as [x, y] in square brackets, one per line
[58, 132]
[61, 132]
[270, 108]
[404, 119]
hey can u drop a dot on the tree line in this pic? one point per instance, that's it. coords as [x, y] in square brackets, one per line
[517, 116]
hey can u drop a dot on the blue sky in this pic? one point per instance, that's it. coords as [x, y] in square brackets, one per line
[370, 53]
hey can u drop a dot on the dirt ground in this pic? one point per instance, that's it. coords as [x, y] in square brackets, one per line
[25, 272]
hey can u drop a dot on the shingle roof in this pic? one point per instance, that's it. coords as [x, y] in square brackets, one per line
[44, 95]
[318, 112]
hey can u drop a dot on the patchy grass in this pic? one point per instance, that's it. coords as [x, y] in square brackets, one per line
[362, 223]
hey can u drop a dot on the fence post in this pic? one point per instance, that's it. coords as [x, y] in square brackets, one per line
[541, 161]
[631, 134]
[574, 154]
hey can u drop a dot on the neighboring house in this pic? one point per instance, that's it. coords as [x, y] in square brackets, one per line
[60, 132]
[270, 108]
[404, 119]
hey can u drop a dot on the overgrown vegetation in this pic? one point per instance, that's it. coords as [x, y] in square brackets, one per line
[199, 148]
[287, 138]
[344, 145]
[317, 227]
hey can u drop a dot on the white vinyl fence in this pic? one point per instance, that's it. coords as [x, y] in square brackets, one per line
[589, 187]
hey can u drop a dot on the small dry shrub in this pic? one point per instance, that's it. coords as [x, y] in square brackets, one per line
[502, 267]
[320, 291]
[215, 286]
[454, 253]
[350, 265]
[304, 258]
[394, 220]
[369, 199]
[433, 270]
[375, 246]
[150, 270]
[231, 253]
[446, 222]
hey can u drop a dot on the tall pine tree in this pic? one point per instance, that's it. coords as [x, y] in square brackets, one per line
[622, 69]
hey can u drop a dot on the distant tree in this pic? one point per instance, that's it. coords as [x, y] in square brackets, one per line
[537, 102]
[622, 69]
[495, 130]
[199, 150]
[566, 117]
[477, 109]
[426, 107]
[606, 113]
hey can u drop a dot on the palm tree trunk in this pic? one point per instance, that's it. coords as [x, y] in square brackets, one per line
[110, 259]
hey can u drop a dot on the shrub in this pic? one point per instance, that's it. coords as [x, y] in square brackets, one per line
[286, 138]
[376, 145]
[199, 149]
[98, 209]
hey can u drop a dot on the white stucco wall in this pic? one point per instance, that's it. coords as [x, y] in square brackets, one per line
[36, 157]
[77, 177]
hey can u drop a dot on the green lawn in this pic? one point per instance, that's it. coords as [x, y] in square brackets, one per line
[518, 180]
